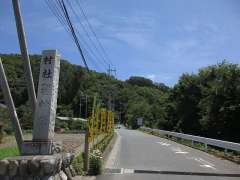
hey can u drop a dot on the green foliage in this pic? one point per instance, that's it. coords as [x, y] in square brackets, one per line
[206, 103]
[1, 133]
[140, 81]
[102, 145]
[8, 152]
[95, 162]
[4, 118]
[78, 164]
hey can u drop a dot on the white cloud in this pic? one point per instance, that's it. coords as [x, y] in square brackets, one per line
[151, 76]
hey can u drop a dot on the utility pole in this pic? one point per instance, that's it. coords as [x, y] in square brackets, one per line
[24, 53]
[110, 70]
[86, 145]
[109, 103]
[86, 151]
[80, 106]
[86, 108]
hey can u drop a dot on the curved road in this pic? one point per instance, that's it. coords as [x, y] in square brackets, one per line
[137, 155]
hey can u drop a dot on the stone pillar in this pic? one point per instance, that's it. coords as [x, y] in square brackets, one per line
[44, 120]
[45, 114]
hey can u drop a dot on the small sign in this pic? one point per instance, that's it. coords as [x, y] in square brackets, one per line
[140, 121]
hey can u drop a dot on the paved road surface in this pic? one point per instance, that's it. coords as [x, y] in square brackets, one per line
[137, 155]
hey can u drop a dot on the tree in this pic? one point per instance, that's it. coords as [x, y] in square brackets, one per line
[140, 81]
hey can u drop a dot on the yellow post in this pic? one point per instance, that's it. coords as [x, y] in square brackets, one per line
[96, 120]
[91, 124]
[112, 121]
[107, 121]
[102, 121]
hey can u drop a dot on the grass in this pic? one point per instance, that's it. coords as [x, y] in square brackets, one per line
[8, 152]
[102, 145]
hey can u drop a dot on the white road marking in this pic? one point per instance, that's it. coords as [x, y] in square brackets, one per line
[207, 166]
[111, 161]
[163, 144]
[175, 149]
[128, 171]
[207, 162]
[204, 163]
[121, 171]
[178, 150]
[181, 152]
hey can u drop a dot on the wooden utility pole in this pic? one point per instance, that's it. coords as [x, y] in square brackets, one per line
[24, 52]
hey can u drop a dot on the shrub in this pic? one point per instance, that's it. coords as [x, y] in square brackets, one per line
[78, 164]
[1, 133]
[95, 162]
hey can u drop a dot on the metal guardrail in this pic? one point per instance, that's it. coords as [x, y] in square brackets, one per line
[206, 141]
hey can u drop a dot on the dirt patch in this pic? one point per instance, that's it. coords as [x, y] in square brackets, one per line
[69, 141]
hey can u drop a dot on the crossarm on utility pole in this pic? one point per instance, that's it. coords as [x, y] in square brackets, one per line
[11, 107]
[24, 52]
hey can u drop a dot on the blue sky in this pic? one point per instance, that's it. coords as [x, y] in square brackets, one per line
[158, 39]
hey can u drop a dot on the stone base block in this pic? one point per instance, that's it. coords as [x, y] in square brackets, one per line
[35, 167]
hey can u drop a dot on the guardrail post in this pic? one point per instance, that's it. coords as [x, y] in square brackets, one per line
[205, 147]
[192, 143]
[225, 151]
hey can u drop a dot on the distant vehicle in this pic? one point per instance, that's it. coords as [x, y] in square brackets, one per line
[118, 126]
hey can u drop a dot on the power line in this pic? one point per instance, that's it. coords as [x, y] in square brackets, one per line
[95, 35]
[74, 34]
[88, 35]
[59, 9]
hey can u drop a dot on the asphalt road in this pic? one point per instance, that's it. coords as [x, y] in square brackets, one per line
[137, 155]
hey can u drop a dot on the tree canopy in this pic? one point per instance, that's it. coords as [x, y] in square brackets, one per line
[206, 103]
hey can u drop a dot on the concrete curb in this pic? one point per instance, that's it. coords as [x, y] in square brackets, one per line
[109, 148]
